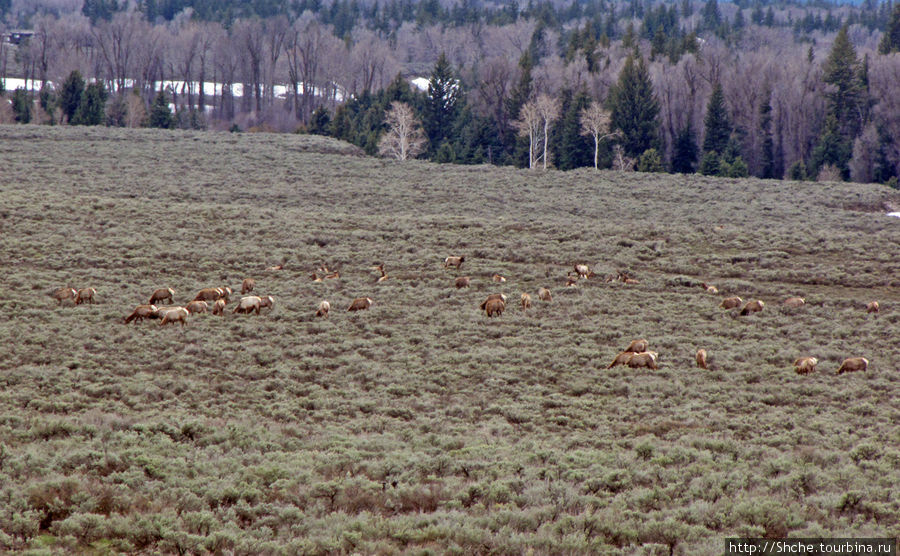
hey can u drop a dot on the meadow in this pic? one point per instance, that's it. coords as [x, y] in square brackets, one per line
[421, 426]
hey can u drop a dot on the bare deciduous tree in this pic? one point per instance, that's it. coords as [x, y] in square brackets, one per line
[535, 118]
[548, 108]
[595, 123]
[404, 138]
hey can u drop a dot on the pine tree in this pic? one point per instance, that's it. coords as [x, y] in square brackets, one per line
[442, 103]
[767, 170]
[842, 71]
[890, 42]
[684, 157]
[91, 108]
[160, 115]
[21, 105]
[634, 108]
[570, 148]
[717, 125]
[70, 94]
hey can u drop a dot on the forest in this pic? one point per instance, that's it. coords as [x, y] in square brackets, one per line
[751, 88]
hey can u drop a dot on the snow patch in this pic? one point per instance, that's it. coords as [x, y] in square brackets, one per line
[894, 214]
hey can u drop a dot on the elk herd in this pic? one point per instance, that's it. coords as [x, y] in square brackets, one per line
[635, 355]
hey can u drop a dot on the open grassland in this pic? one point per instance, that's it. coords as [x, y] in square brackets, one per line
[421, 425]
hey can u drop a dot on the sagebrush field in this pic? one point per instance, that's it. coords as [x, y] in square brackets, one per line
[420, 425]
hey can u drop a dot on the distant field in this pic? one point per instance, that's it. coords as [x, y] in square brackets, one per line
[421, 426]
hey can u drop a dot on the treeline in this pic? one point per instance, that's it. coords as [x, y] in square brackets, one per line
[750, 88]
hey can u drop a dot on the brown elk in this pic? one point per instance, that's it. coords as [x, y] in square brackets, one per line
[162, 294]
[805, 365]
[709, 287]
[583, 271]
[494, 307]
[267, 301]
[324, 307]
[178, 314]
[794, 302]
[701, 358]
[213, 294]
[872, 307]
[853, 364]
[248, 304]
[500, 296]
[141, 312]
[644, 359]
[498, 278]
[637, 346]
[333, 275]
[571, 281]
[462, 282]
[621, 359]
[753, 306]
[247, 285]
[526, 301]
[360, 304]
[731, 302]
[274, 268]
[85, 295]
[544, 294]
[199, 306]
[219, 307]
[64, 294]
[380, 268]
[454, 261]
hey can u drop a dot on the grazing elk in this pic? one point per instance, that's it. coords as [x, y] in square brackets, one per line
[526, 301]
[213, 294]
[494, 307]
[247, 285]
[794, 302]
[853, 364]
[64, 294]
[85, 295]
[360, 304]
[583, 271]
[454, 261]
[753, 306]
[621, 359]
[275, 268]
[178, 314]
[637, 346]
[141, 312]
[571, 281]
[219, 307]
[324, 307]
[731, 302]
[805, 365]
[644, 359]
[498, 278]
[500, 296]
[701, 359]
[380, 268]
[162, 294]
[544, 294]
[462, 282]
[248, 304]
[709, 287]
[267, 301]
[199, 306]
[872, 307]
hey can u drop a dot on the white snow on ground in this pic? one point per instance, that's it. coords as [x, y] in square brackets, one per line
[896, 214]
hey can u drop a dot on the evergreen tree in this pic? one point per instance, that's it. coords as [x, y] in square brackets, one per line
[48, 100]
[684, 157]
[634, 108]
[717, 125]
[70, 94]
[890, 42]
[522, 91]
[319, 122]
[767, 170]
[833, 148]
[570, 148]
[712, 17]
[650, 161]
[91, 108]
[442, 104]
[21, 105]
[842, 71]
[160, 115]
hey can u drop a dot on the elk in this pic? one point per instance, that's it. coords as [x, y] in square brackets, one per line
[621, 359]
[141, 312]
[380, 268]
[63, 294]
[805, 365]
[544, 294]
[709, 287]
[644, 359]
[324, 307]
[731, 302]
[199, 306]
[178, 314]
[753, 306]
[454, 261]
[219, 307]
[248, 304]
[701, 359]
[571, 281]
[213, 294]
[494, 307]
[583, 271]
[360, 304]
[526, 301]
[498, 278]
[794, 302]
[333, 275]
[872, 307]
[493, 296]
[85, 294]
[267, 301]
[162, 294]
[462, 282]
[853, 364]
[637, 346]
[247, 285]
[274, 268]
